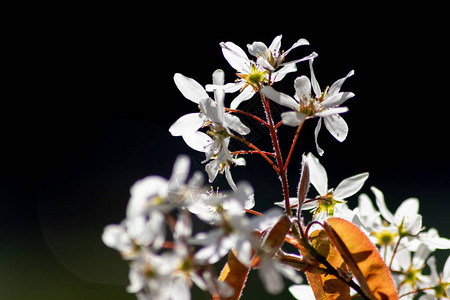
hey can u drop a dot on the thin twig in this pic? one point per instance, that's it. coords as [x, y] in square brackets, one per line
[249, 115]
[293, 145]
[257, 150]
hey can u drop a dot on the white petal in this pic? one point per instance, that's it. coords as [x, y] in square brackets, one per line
[257, 48]
[198, 141]
[337, 99]
[143, 191]
[350, 186]
[230, 178]
[332, 111]
[272, 280]
[314, 83]
[337, 126]
[180, 289]
[186, 124]
[318, 175]
[408, 207]
[336, 87]
[218, 77]
[381, 204]
[302, 292]
[180, 172]
[281, 73]
[280, 98]
[293, 118]
[446, 270]
[115, 236]
[235, 124]
[309, 57]
[276, 44]
[190, 88]
[212, 169]
[300, 42]
[302, 87]
[210, 110]
[316, 136]
[236, 57]
[246, 94]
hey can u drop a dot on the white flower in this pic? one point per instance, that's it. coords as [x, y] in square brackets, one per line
[331, 202]
[324, 105]
[252, 74]
[440, 283]
[212, 112]
[157, 193]
[136, 233]
[234, 228]
[271, 58]
[408, 276]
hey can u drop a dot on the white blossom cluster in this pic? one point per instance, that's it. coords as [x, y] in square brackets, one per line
[157, 237]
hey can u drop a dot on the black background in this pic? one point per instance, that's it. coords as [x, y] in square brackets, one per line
[89, 95]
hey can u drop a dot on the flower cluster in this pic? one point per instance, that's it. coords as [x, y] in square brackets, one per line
[167, 256]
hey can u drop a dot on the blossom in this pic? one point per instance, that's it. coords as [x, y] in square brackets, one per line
[253, 75]
[270, 58]
[331, 202]
[324, 105]
[157, 193]
[212, 114]
[439, 282]
[234, 228]
[408, 275]
[135, 234]
[171, 274]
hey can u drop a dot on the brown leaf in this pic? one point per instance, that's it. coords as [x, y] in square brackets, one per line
[327, 286]
[235, 274]
[362, 258]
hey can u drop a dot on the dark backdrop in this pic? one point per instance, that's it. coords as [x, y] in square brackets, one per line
[89, 97]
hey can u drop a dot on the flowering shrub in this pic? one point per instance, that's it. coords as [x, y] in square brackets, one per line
[368, 251]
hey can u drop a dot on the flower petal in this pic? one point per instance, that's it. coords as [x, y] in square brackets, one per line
[336, 87]
[257, 48]
[198, 141]
[300, 42]
[235, 124]
[293, 118]
[276, 44]
[318, 175]
[280, 98]
[246, 94]
[408, 207]
[314, 82]
[302, 87]
[236, 57]
[381, 204]
[350, 186]
[281, 73]
[337, 99]
[316, 136]
[337, 126]
[190, 88]
[186, 124]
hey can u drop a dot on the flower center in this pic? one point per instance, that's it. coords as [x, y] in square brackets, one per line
[385, 237]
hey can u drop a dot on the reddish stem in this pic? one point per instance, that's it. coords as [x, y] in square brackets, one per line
[293, 145]
[248, 114]
[258, 151]
[252, 152]
[281, 170]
